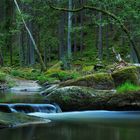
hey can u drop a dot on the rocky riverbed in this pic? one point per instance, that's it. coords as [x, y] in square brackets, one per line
[97, 92]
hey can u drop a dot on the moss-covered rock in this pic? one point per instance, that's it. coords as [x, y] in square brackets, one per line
[5, 81]
[78, 98]
[81, 98]
[126, 74]
[97, 81]
[18, 119]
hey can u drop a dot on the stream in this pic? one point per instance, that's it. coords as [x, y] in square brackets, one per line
[99, 125]
[82, 125]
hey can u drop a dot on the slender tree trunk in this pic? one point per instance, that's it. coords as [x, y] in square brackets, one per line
[1, 58]
[45, 55]
[20, 48]
[8, 24]
[100, 47]
[49, 54]
[81, 25]
[69, 30]
[31, 47]
[75, 34]
[107, 41]
[61, 37]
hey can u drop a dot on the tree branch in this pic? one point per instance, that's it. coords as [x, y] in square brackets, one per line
[31, 37]
[113, 16]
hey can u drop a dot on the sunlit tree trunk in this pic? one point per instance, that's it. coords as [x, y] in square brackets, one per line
[69, 30]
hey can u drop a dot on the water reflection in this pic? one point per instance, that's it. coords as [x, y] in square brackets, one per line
[71, 131]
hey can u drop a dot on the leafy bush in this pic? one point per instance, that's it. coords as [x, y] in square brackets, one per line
[126, 87]
[62, 75]
[2, 77]
[43, 78]
[53, 74]
[17, 73]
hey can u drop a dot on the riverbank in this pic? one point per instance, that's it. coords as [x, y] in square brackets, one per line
[116, 90]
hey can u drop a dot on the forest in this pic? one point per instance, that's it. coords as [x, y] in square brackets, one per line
[62, 56]
[61, 34]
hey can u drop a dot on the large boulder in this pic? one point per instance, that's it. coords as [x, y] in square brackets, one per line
[126, 74]
[75, 98]
[102, 81]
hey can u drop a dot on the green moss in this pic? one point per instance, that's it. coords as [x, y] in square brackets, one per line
[102, 77]
[87, 68]
[16, 119]
[43, 78]
[127, 87]
[126, 74]
[5, 80]
[98, 81]
[2, 77]
[62, 75]
[53, 74]
[56, 66]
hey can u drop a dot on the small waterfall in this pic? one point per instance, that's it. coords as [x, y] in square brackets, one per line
[30, 108]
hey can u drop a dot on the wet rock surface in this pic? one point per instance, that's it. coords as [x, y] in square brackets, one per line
[8, 120]
[75, 98]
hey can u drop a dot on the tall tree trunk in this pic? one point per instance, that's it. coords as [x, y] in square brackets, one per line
[1, 58]
[69, 30]
[21, 58]
[45, 55]
[75, 34]
[100, 47]
[31, 47]
[81, 25]
[107, 40]
[61, 37]
[8, 24]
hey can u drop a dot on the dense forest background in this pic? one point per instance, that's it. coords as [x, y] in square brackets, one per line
[81, 37]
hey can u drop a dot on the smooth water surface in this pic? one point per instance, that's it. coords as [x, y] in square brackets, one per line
[93, 125]
[88, 125]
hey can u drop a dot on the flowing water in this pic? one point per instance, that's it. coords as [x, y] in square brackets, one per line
[28, 108]
[87, 125]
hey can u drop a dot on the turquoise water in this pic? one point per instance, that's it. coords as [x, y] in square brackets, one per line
[89, 125]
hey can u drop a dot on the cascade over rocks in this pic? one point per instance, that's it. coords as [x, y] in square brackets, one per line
[28, 108]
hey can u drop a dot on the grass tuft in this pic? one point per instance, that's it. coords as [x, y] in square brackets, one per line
[126, 87]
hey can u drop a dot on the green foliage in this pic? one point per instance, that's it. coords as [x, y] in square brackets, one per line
[52, 75]
[17, 73]
[62, 75]
[44, 78]
[126, 87]
[126, 74]
[30, 74]
[2, 77]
